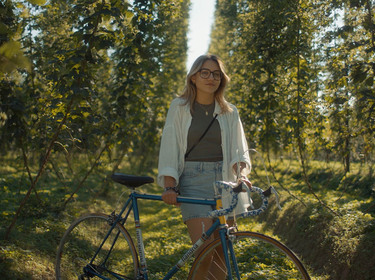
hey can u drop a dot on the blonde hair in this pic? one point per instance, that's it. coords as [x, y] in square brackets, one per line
[190, 91]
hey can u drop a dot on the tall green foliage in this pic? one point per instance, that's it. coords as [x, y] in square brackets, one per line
[349, 87]
[302, 83]
[93, 51]
[98, 84]
[113, 60]
[268, 53]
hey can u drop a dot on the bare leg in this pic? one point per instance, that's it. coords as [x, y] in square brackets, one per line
[218, 270]
[195, 229]
[213, 266]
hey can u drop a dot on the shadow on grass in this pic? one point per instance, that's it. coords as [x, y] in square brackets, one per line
[341, 247]
[364, 257]
[163, 247]
[8, 271]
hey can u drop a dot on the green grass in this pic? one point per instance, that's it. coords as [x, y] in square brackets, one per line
[333, 247]
[339, 246]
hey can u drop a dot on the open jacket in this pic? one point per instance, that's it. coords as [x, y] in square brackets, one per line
[174, 142]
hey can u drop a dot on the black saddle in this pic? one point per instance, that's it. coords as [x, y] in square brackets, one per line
[131, 181]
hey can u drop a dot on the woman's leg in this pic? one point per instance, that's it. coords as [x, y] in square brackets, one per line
[217, 269]
[214, 266]
[196, 227]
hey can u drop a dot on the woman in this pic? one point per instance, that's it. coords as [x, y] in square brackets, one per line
[214, 157]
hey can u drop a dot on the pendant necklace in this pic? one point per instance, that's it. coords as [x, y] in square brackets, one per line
[205, 108]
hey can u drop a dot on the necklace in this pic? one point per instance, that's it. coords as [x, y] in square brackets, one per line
[205, 108]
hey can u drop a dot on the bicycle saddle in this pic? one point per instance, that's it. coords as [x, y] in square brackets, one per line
[131, 181]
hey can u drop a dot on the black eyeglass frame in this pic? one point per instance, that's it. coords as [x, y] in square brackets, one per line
[211, 72]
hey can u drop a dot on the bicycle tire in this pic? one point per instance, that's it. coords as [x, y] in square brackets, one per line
[258, 256]
[80, 242]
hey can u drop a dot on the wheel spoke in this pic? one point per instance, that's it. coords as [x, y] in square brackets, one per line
[82, 240]
[257, 256]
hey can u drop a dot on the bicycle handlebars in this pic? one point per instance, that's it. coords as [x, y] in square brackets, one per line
[233, 192]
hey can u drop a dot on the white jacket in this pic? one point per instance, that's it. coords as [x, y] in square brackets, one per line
[174, 142]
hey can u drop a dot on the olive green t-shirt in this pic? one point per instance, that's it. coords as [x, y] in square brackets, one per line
[209, 148]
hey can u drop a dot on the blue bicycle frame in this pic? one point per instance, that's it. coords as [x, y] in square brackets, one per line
[132, 205]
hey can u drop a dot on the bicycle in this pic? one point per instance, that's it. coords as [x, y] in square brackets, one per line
[99, 246]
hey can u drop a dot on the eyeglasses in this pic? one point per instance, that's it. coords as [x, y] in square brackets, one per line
[206, 73]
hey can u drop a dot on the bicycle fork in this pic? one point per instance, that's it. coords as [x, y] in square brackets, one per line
[227, 245]
[229, 255]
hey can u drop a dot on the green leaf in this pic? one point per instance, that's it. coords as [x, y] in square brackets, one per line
[12, 57]
[37, 2]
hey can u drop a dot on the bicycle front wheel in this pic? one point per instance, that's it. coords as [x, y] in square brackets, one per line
[117, 257]
[253, 256]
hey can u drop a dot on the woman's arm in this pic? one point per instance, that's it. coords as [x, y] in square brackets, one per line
[242, 177]
[169, 195]
[169, 148]
[241, 150]
[239, 147]
[240, 173]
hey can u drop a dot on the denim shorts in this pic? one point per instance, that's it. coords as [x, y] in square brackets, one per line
[197, 181]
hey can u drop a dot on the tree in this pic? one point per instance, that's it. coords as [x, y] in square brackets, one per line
[350, 87]
[272, 51]
[100, 73]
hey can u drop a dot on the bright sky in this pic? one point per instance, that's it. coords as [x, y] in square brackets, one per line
[200, 23]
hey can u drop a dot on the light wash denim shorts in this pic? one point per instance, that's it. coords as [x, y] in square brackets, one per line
[197, 181]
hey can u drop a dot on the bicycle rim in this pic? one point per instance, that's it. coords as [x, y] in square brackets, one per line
[258, 257]
[81, 241]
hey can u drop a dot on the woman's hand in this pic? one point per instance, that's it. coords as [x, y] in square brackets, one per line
[170, 197]
[170, 194]
[245, 180]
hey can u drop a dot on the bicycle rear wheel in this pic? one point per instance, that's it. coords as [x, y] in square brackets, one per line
[258, 256]
[80, 243]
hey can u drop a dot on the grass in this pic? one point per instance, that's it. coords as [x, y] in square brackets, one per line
[334, 247]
